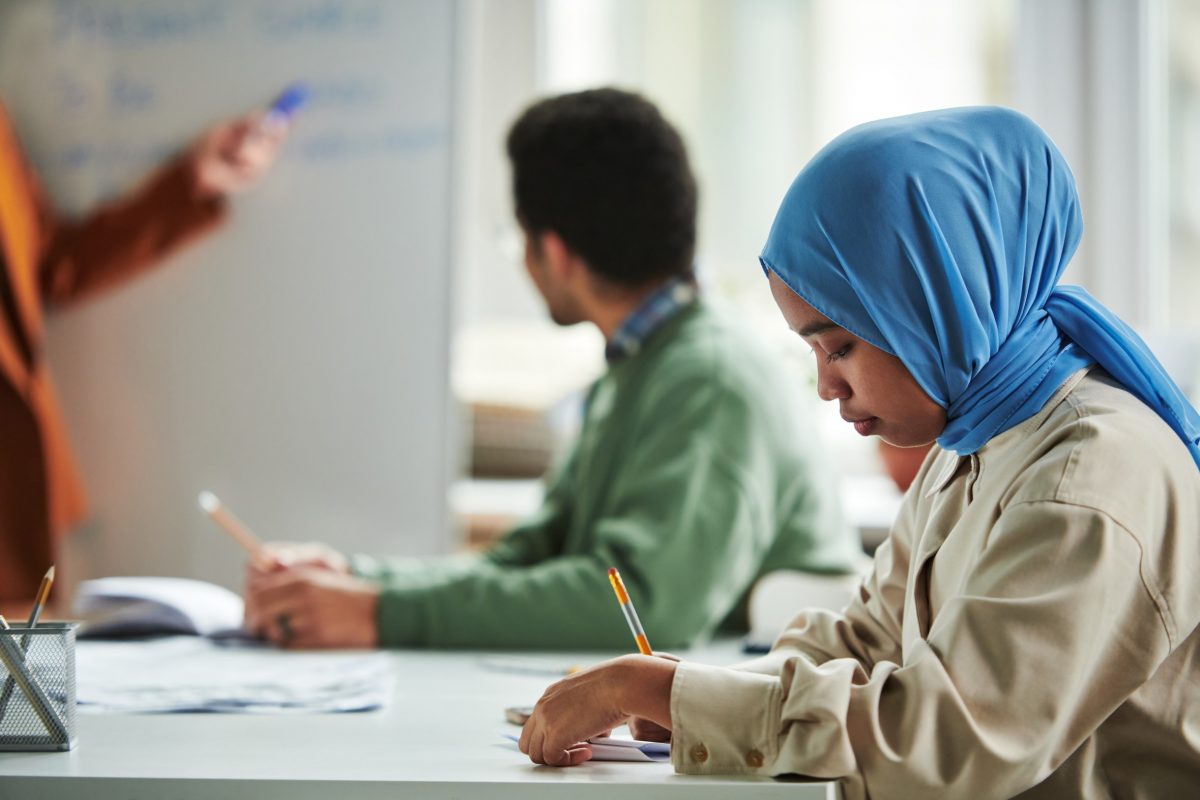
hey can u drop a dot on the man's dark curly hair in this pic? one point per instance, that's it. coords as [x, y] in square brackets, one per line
[610, 176]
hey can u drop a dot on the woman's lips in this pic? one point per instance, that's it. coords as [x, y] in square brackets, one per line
[865, 427]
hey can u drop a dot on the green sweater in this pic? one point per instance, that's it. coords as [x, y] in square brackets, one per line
[695, 472]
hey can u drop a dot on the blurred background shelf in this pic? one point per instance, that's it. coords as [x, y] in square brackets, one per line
[485, 508]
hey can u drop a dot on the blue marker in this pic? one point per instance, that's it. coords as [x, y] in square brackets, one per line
[286, 105]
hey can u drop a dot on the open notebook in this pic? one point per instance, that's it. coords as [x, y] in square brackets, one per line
[149, 606]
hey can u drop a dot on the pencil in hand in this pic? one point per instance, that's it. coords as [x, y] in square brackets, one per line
[233, 526]
[635, 624]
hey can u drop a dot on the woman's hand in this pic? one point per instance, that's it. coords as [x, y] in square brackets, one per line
[648, 730]
[593, 702]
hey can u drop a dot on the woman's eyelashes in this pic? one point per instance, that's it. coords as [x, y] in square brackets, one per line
[837, 355]
[830, 355]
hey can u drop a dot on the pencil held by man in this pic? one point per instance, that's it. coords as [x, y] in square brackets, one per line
[233, 526]
[279, 577]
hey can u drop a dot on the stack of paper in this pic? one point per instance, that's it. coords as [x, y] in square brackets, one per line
[190, 674]
[620, 748]
[624, 748]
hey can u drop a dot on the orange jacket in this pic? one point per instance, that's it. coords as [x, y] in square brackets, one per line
[46, 260]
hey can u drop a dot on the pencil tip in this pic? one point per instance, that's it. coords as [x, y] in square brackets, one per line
[50, 573]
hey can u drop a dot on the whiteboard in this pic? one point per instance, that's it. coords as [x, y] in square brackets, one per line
[295, 363]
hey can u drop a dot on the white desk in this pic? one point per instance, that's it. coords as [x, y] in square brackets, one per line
[439, 740]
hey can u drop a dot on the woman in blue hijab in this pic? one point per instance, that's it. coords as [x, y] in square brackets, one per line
[1029, 626]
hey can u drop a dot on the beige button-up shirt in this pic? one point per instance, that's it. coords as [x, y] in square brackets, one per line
[1027, 629]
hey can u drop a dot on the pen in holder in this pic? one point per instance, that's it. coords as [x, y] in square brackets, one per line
[37, 687]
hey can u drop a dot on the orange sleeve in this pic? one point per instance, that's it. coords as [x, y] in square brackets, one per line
[123, 237]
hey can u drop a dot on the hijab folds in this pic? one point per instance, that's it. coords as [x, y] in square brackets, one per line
[940, 238]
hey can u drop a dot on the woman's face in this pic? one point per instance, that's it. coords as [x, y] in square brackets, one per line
[873, 389]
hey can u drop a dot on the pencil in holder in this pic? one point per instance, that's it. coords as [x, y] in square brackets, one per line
[37, 687]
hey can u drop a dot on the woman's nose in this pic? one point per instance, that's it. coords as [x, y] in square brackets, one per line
[830, 385]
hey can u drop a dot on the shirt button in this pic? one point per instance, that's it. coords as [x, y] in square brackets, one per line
[700, 753]
[754, 759]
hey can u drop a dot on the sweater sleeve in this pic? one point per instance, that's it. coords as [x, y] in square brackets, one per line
[122, 237]
[541, 536]
[1077, 633]
[684, 521]
[529, 542]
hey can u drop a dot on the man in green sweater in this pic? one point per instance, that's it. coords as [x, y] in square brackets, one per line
[696, 469]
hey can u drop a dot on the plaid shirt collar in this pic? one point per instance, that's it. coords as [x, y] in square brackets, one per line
[660, 306]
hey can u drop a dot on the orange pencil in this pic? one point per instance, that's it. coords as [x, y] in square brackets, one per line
[233, 526]
[635, 624]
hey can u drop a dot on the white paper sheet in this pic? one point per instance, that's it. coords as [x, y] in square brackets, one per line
[186, 673]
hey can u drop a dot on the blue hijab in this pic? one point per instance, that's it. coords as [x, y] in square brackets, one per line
[940, 238]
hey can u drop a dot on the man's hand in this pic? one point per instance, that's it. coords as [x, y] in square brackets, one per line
[281, 556]
[592, 702]
[289, 555]
[311, 607]
[233, 156]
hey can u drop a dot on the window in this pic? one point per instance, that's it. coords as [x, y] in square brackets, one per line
[1183, 153]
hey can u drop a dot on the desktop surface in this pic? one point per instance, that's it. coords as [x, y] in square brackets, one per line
[439, 738]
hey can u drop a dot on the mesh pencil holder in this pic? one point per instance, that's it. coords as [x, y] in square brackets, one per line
[37, 687]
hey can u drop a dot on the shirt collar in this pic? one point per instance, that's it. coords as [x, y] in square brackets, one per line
[651, 314]
[953, 466]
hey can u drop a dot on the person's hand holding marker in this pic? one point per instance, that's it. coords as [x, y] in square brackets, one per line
[232, 156]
